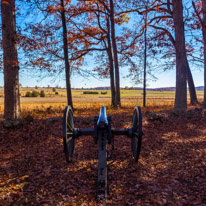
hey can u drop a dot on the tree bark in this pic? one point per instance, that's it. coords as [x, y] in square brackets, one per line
[116, 64]
[12, 108]
[66, 57]
[204, 40]
[111, 64]
[109, 52]
[191, 85]
[181, 59]
[145, 61]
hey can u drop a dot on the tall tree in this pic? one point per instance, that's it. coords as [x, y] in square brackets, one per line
[101, 20]
[111, 63]
[47, 42]
[107, 9]
[112, 79]
[202, 21]
[163, 21]
[114, 46]
[145, 59]
[11, 66]
[66, 55]
[181, 59]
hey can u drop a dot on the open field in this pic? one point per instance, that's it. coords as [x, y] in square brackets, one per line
[129, 98]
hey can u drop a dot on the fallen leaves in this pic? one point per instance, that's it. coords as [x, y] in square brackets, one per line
[171, 169]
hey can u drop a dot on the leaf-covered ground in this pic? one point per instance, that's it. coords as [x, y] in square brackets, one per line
[171, 169]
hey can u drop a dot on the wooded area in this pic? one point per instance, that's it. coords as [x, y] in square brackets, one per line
[102, 38]
[69, 31]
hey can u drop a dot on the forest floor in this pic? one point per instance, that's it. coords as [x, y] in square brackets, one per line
[171, 169]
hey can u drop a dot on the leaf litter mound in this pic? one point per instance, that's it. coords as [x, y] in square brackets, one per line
[171, 169]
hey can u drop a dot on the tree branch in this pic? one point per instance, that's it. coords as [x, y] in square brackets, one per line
[167, 32]
[198, 15]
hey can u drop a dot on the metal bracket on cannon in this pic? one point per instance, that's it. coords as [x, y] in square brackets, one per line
[102, 133]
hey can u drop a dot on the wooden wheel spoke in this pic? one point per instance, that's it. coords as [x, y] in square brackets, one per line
[70, 123]
[69, 133]
[69, 140]
[71, 118]
[69, 126]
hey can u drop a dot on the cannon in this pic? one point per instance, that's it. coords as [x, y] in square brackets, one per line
[103, 134]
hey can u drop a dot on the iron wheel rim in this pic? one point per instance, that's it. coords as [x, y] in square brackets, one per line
[68, 130]
[136, 133]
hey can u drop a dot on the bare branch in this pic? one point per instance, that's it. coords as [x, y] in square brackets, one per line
[167, 32]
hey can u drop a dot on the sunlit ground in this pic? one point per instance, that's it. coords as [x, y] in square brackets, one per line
[171, 169]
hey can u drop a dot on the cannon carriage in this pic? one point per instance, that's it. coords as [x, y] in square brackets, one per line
[103, 134]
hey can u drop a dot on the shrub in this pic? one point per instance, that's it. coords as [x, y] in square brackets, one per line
[35, 94]
[54, 89]
[89, 92]
[103, 92]
[56, 93]
[42, 93]
[28, 94]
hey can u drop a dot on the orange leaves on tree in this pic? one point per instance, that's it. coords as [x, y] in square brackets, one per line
[123, 18]
[5, 2]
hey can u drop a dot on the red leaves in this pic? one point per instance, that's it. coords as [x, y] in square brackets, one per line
[171, 169]
[5, 2]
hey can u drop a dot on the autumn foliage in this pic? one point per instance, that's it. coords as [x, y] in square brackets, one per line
[171, 169]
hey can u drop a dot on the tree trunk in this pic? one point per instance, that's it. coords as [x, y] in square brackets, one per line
[145, 61]
[116, 64]
[181, 59]
[111, 64]
[12, 108]
[109, 52]
[204, 40]
[66, 56]
[191, 85]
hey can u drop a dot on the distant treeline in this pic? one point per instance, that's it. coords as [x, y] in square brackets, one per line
[200, 88]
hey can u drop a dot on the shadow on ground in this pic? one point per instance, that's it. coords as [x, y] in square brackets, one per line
[171, 169]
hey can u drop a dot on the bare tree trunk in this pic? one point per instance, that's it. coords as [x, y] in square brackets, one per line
[181, 59]
[145, 61]
[66, 56]
[191, 85]
[112, 76]
[111, 64]
[11, 66]
[116, 64]
[204, 40]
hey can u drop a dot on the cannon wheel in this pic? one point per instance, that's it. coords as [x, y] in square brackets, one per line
[68, 129]
[136, 133]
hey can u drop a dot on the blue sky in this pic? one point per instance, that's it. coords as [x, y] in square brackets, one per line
[165, 79]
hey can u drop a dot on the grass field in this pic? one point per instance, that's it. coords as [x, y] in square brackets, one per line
[129, 98]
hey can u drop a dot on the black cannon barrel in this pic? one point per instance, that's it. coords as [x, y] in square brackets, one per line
[102, 116]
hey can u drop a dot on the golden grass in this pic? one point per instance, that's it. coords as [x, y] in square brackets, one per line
[152, 106]
[129, 98]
